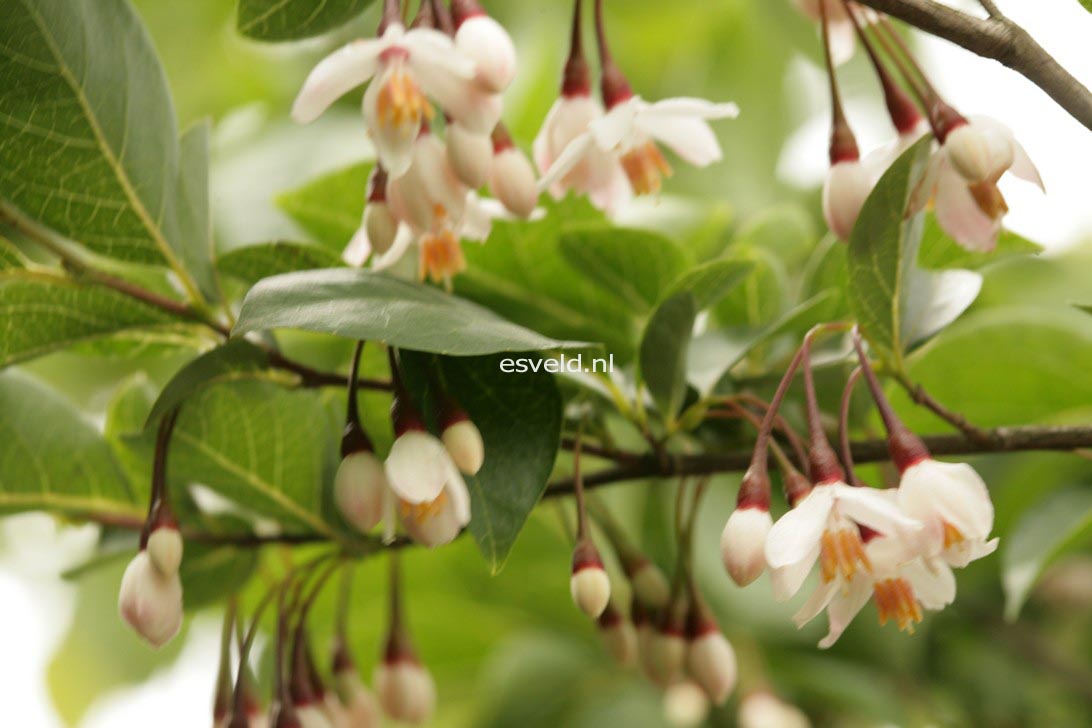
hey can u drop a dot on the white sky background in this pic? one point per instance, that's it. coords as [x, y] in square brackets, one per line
[37, 607]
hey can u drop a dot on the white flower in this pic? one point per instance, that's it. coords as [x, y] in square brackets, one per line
[149, 601]
[667, 652]
[952, 501]
[743, 543]
[165, 550]
[962, 180]
[430, 495]
[597, 173]
[405, 689]
[487, 43]
[825, 527]
[404, 67]
[464, 444]
[359, 488]
[900, 582]
[629, 132]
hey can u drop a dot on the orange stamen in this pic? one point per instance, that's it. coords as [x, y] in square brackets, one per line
[441, 256]
[842, 552]
[421, 512]
[401, 102]
[952, 535]
[895, 600]
[646, 167]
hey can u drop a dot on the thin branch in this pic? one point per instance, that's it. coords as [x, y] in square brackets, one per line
[956, 420]
[991, 9]
[997, 38]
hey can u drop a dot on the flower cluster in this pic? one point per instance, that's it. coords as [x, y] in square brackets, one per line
[896, 547]
[455, 60]
[970, 155]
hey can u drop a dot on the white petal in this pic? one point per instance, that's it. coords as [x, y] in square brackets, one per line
[959, 215]
[393, 144]
[402, 242]
[845, 190]
[785, 581]
[961, 554]
[869, 508]
[844, 607]
[470, 155]
[690, 107]
[613, 196]
[934, 585]
[512, 181]
[487, 43]
[843, 41]
[417, 467]
[435, 51]
[796, 534]
[817, 602]
[954, 492]
[571, 156]
[616, 129]
[690, 138]
[335, 75]
[1024, 168]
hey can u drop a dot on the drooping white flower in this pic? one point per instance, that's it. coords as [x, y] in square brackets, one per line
[487, 43]
[150, 601]
[845, 190]
[360, 705]
[404, 68]
[667, 648]
[952, 501]
[825, 526]
[685, 704]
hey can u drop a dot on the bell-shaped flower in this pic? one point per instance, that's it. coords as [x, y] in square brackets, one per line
[404, 68]
[667, 646]
[743, 541]
[359, 704]
[845, 190]
[685, 704]
[359, 488]
[825, 526]
[150, 601]
[952, 501]
[485, 41]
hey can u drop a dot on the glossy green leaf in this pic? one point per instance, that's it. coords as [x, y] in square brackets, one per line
[329, 208]
[104, 166]
[635, 266]
[519, 416]
[46, 312]
[279, 20]
[52, 459]
[1047, 531]
[364, 305]
[251, 263]
[938, 251]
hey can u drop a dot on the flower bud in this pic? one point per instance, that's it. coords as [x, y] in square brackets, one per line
[311, 715]
[589, 585]
[642, 623]
[149, 601]
[381, 226]
[165, 549]
[667, 653]
[512, 181]
[360, 706]
[649, 583]
[764, 710]
[710, 658]
[685, 705]
[618, 635]
[487, 43]
[359, 488]
[743, 543]
[470, 155]
[463, 442]
[847, 186]
[406, 690]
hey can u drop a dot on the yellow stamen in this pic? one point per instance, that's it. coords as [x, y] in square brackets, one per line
[401, 102]
[441, 256]
[421, 512]
[952, 535]
[895, 600]
[989, 199]
[842, 552]
[646, 167]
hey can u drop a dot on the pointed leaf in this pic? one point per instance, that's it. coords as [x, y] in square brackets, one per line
[253, 262]
[278, 20]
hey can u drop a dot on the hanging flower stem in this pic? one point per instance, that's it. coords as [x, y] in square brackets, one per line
[843, 427]
[843, 145]
[904, 114]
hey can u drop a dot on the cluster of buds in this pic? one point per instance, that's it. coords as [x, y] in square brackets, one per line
[608, 149]
[453, 58]
[896, 547]
[970, 157]
[420, 485]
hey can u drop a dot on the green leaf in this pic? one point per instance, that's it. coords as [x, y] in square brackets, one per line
[938, 250]
[519, 416]
[10, 256]
[52, 459]
[330, 207]
[882, 252]
[1087, 4]
[279, 20]
[46, 312]
[761, 298]
[253, 262]
[1054, 526]
[635, 266]
[211, 573]
[269, 450]
[103, 166]
[365, 305]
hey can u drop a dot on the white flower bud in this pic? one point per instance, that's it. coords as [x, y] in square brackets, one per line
[488, 44]
[763, 710]
[470, 155]
[165, 550]
[650, 585]
[360, 706]
[685, 705]
[406, 690]
[381, 226]
[712, 662]
[847, 186]
[619, 636]
[464, 444]
[512, 181]
[590, 588]
[150, 602]
[667, 655]
[312, 716]
[743, 543]
[359, 487]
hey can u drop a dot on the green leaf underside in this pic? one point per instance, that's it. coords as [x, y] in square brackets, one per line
[519, 416]
[882, 252]
[365, 305]
[1061, 521]
[279, 20]
[938, 251]
[252, 263]
[53, 459]
[46, 312]
[88, 141]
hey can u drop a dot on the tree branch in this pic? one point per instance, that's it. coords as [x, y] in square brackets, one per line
[997, 38]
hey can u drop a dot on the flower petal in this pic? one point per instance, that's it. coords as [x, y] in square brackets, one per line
[844, 607]
[417, 467]
[934, 584]
[616, 129]
[571, 156]
[335, 75]
[954, 492]
[393, 142]
[691, 107]
[787, 580]
[796, 534]
[1024, 168]
[690, 138]
[817, 602]
[959, 215]
[872, 508]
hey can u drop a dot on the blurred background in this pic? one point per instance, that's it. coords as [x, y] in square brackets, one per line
[511, 650]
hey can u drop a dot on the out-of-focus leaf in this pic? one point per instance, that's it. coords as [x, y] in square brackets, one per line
[364, 305]
[45, 312]
[280, 20]
[330, 208]
[938, 251]
[210, 573]
[761, 298]
[52, 459]
[519, 416]
[104, 166]
[1058, 523]
[10, 256]
[253, 262]
[635, 266]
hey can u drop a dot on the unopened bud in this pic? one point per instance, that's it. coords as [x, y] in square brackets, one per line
[150, 602]
[743, 543]
[406, 690]
[589, 585]
[381, 226]
[764, 710]
[488, 44]
[311, 715]
[618, 635]
[649, 583]
[470, 155]
[512, 180]
[710, 657]
[667, 651]
[847, 186]
[165, 549]
[463, 442]
[359, 488]
[685, 705]
[360, 706]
